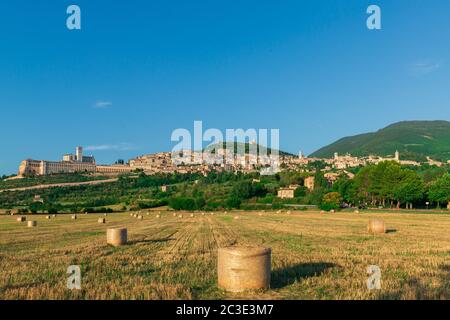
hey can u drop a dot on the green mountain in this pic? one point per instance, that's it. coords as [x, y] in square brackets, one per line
[415, 140]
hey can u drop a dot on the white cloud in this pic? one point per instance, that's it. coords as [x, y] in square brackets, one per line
[102, 104]
[107, 147]
[423, 67]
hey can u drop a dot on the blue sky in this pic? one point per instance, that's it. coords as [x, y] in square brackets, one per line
[140, 69]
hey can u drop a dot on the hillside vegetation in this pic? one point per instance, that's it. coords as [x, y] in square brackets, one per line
[415, 140]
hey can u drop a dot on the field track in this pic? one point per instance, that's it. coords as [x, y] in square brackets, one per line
[60, 185]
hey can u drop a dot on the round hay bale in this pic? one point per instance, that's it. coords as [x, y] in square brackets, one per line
[356, 211]
[48, 217]
[140, 217]
[332, 211]
[21, 219]
[192, 215]
[174, 214]
[243, 268]
[158, 216]
[288, 212]
[116, 236]
[180, 216]
[260, 214]
[105, 214]
[74, 217]
[203, 213]
[131, 214]
[376, 226]
[236, 218]
[31, 224]
[278, 211]
[212, 213]
[101, 220]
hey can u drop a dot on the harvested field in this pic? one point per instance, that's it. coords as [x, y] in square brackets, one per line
[313, 256]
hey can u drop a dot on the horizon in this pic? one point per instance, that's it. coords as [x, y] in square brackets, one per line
[137, 71]
[257, 143]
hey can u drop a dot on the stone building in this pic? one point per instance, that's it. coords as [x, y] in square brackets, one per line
[71, 163]
[309, 183]
[286, 193]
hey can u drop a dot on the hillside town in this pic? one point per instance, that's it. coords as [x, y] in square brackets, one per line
[221, 160]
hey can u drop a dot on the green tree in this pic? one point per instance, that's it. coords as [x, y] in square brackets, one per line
[439, 191]
[300, 192]
[409, 189]
[344, 186]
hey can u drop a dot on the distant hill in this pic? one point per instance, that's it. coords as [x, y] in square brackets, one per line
[246, 146]
[413, 139]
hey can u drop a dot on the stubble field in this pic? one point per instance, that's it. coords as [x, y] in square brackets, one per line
[314, 256]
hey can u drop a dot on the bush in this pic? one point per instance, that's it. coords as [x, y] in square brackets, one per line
[183, 203]
[98, 210]
[331, 201]
[150, 204]
[233, 202]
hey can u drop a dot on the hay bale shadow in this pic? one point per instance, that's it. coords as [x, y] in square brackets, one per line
[391, 230]
[287, 276]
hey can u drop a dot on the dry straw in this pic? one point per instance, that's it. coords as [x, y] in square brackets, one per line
[243, 268]
[376, 226]
[116, 236]
[31, 224]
